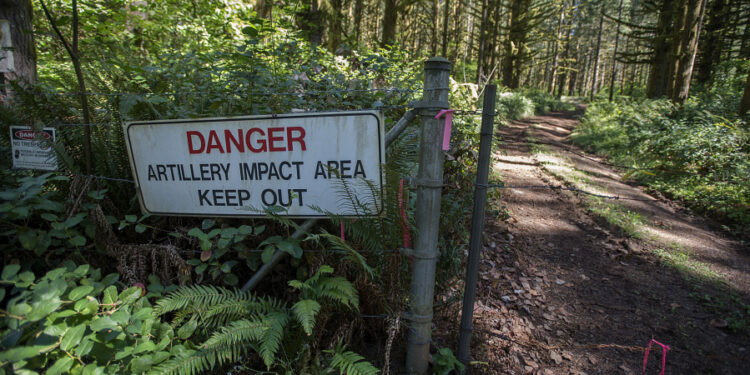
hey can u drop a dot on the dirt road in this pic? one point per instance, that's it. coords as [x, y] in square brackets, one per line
[576, 284]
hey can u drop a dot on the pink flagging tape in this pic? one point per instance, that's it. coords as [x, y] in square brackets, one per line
[664, 350]
[448, 125]
[342, 231]
[404, 219]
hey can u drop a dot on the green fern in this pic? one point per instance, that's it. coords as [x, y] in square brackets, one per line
[305, 311]
[336, 289]
[274, 324]
[238, 322]
[224, 346]
[340, 290]
[198, 296]
[350, 363]
[352, 255]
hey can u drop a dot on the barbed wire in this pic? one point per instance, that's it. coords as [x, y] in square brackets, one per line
[470, 112]
[301, 92]
[335, 110]
[564, 188]
[100, 177]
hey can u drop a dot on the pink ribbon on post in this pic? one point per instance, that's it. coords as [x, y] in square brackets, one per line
[448, 124]
[664, 350]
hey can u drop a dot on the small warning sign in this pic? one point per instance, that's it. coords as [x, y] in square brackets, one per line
[32, 149]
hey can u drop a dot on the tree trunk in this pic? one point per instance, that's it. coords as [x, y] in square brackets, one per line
[745, 102]
[711, 48]
[482, 41]
[358, 5]
[614, 55]
[75, 57]
[745, 45]
[494, 50]
[19, 14]
[515, 47]
[564, 77]
[334, 25]
[446, 12]
[435, 26]
[551, 87]
[658, 78]
[595, 76]
[263, 8]
[680, 18]
[457, 33]
[689, 40]
[314, 23]
[390, 20]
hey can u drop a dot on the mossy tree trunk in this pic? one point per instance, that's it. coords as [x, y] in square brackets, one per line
[19, 14]
[658, 77]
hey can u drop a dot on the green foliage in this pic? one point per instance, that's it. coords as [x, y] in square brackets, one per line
[71, 320]
[320, 285]
[33, 221]
[444, 362]
[514, 106]
[218, 244]
[689, 152]
[527, 103]
[235, 322]
[350, 363]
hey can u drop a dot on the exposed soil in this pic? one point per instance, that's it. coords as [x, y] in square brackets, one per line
[563, 292]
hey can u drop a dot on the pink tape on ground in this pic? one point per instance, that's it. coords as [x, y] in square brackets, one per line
[664, 350]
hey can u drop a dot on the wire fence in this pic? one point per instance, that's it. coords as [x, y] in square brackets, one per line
[240, 91]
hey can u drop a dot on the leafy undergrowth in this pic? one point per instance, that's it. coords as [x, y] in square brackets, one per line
[690, 153]
[526, 103]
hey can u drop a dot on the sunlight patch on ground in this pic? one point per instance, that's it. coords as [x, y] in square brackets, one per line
[629, 222]
[507, 162]
[682, 261]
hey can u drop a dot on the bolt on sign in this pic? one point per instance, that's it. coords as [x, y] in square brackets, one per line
[32, 149]
[309, 164]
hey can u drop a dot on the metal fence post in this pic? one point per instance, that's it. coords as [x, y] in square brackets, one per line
[429, 184]
[477, 223]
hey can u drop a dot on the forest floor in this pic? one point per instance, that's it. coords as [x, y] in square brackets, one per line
[576, 284]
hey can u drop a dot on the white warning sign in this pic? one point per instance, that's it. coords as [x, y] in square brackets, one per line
[32, 149]
[310, 164]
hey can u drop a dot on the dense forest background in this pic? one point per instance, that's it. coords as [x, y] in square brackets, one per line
[651, 48]
[665, 83]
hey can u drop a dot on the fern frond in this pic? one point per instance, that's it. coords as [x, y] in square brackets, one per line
[305, 311]
[323, 270]
[274, 324]
[191, 365]
[198, 296]
[299, 285]
[340, 290]
[226, 311]
[352, 255]
[351, 363]
[225, 346]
